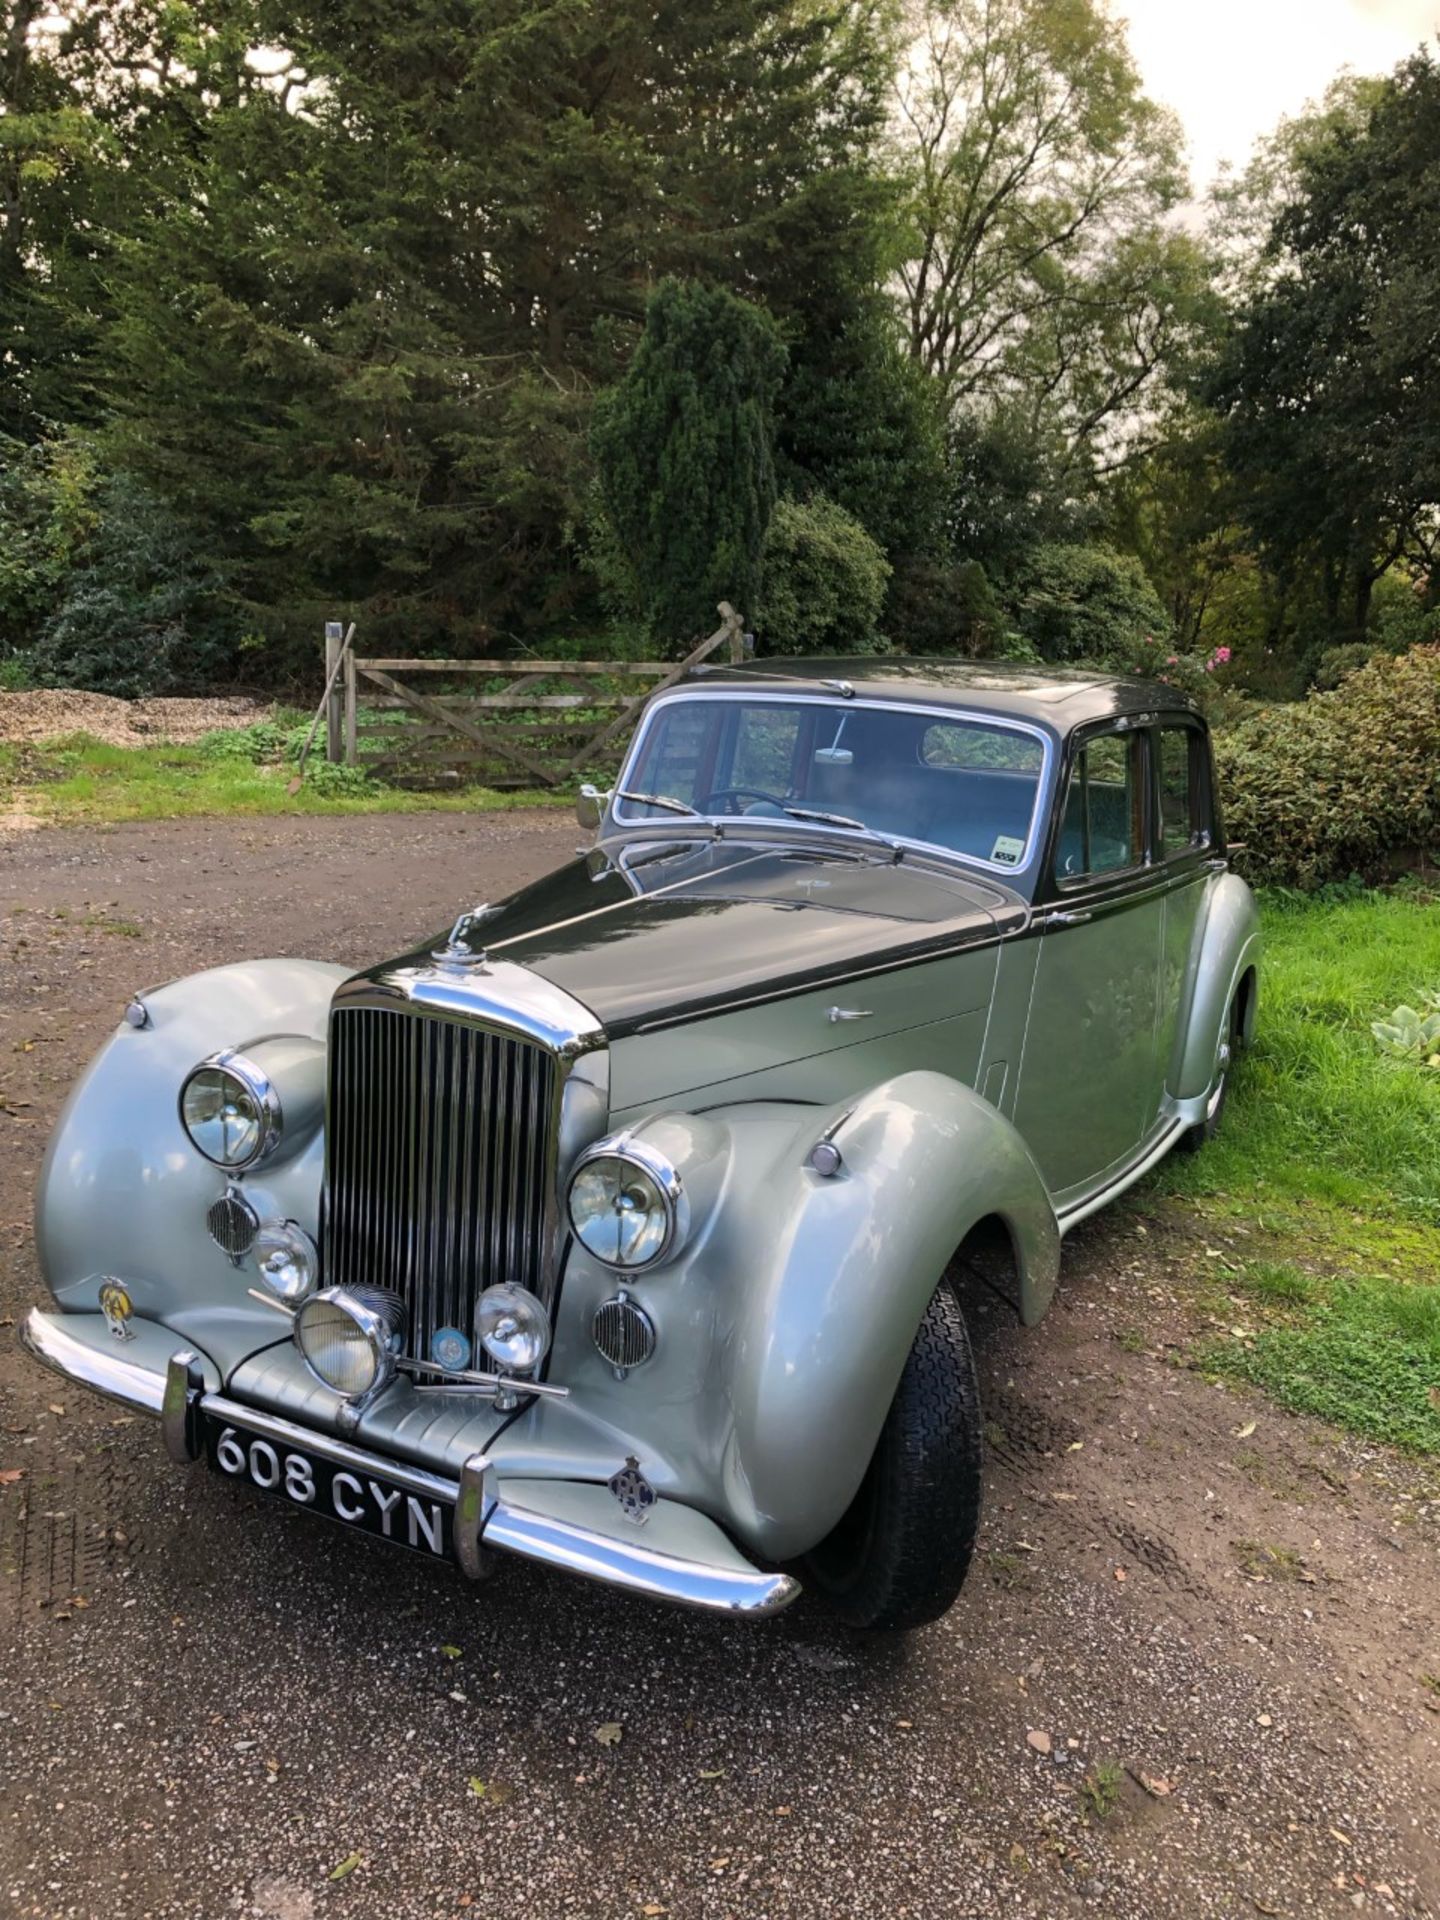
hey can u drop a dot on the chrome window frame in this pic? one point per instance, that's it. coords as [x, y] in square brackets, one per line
[1034, 832]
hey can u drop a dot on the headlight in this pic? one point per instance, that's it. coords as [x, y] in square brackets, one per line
[288, 1262]
[349, 1338]
[627, 1205]
[230, 1111]
[513, 1328]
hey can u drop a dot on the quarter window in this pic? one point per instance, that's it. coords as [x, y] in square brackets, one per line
[1177, 792]
[1101, 831]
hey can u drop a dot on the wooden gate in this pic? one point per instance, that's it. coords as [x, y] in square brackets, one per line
[532, 722]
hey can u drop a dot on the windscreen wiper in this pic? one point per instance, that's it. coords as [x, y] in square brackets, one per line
[661, 800]
[844, 820]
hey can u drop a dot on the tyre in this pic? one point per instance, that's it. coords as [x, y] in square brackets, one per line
[899, 1555]
[1194, 1138]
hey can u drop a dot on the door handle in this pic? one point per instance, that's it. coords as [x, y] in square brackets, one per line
[837, 1014]
[1072, 917]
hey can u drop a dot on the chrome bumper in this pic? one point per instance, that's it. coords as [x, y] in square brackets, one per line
[486, 1519]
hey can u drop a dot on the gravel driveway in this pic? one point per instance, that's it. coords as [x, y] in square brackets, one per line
[1185, 1677]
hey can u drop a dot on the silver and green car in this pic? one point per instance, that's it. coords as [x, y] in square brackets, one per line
[622, 1227]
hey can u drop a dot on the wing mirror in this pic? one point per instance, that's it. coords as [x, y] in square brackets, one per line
[590, 805]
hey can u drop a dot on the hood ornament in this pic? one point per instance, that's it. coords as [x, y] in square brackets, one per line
[456, 952]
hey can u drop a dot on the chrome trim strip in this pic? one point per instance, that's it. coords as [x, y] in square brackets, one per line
[506, 997]
[635, 1568]
[112, 1374]
[959, 715]
[1072, 1216]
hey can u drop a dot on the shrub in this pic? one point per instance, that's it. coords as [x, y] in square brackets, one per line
[143, 612]
[1087, 603]
[936, 608]
[47, 510]
[822, 581]
[1341, 782]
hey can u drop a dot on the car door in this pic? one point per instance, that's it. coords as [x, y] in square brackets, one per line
[1087, 1075]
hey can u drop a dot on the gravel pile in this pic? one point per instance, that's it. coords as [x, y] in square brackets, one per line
[121, 723]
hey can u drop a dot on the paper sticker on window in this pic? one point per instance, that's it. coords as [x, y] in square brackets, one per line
[1008, 850]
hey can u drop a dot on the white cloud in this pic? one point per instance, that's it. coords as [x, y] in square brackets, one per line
[1232, 68]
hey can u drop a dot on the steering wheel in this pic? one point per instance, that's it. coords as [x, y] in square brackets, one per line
[732, 794]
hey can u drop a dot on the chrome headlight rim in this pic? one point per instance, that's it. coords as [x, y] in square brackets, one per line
[262, 1093]
[378, 1329]
[665, 1177]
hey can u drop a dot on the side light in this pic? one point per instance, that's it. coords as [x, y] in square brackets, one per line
[288, 1262]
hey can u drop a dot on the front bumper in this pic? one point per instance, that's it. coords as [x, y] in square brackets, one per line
[682, 1557]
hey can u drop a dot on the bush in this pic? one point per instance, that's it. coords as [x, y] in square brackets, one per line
[822, 581]
[1087, 603]
[935, 608]
[1341, 782]
[142, 613]
[46, 510]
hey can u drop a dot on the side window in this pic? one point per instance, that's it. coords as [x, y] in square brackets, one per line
[1178, 797]
[1101, 831]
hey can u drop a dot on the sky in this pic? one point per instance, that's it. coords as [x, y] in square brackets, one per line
[1232, 68]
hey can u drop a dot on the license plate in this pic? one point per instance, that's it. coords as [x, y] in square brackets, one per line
[367, 1501]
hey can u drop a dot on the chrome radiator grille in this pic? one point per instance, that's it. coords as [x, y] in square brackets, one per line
[439, 1153]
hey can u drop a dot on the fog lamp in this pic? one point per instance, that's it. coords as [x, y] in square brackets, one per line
[288, 1262]
[513, 1327]
[349, 1338]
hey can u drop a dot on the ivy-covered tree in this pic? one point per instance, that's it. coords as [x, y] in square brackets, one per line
[684, 445]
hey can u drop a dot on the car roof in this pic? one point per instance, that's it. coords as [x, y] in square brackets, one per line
[1060, 698]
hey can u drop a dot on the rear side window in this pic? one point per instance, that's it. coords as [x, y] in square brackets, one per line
[1102, 827]
[1179, 811]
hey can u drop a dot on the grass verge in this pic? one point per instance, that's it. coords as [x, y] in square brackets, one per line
[1329, 1159]
[80, 781]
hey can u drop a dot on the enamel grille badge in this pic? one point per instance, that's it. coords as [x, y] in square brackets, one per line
[633, 1491]
[450, 1349]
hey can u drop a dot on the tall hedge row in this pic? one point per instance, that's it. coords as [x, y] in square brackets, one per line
[1345, 782]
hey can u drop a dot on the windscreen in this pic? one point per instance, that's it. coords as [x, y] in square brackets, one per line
[940, 779]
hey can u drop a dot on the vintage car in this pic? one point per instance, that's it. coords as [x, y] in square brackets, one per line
[623, 1227]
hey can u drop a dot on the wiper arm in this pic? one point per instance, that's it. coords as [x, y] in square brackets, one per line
[844, 820]
[661, 800]
[827, 819]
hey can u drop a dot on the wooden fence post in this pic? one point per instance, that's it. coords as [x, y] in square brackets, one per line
[349, 678]
[334, 714]
[734, 624]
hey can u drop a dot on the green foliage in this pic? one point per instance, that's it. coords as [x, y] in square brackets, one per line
[1335, 476]
[1341, 783]
[1411, 1035]
[822, 582]
[684, 445]
[1367, 1357]
[1087, 603]
[949, 609]
[47, 510]
[143, 612]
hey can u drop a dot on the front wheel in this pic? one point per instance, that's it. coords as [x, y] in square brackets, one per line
[899, 1555]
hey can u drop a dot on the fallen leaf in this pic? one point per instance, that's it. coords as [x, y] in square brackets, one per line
[11, 1475]
[477, 1787]
[1120, 1574]
[1039, 1741]
[1262, 1906]
[712, 1773]
[461, 1698]
[1264, 1720]
[783, 1813]
[1156, 1784]
[55, 1407]
[652, 1908]
[451, 1653]
[1244, 1433]
[609, 1733]
[719, 1866]
[346, 1866]
[1343, 1838]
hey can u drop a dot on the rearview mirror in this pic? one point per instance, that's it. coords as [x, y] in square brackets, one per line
[834, 757]
[590, 805]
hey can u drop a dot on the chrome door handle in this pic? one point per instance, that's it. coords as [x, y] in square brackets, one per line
[1075, 917]
[837, 1014]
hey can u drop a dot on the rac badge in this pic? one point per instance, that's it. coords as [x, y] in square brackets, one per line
[116, 1306]
[633, 1491]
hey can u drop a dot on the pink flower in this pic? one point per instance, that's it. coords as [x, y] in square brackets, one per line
[1173, 661]
[1222, 656]
[1149, 639]
[1209, 666]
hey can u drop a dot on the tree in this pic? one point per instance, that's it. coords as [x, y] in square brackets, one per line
[822, 582]
[361, 334]
[1039, 178]
[1328, 387]
[684, 445]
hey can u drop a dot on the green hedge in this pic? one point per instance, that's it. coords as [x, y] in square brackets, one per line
[1344, 782]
